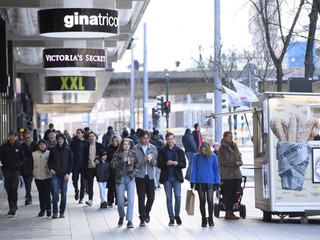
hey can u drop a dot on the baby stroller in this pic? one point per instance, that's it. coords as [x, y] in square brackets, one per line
[237, 206]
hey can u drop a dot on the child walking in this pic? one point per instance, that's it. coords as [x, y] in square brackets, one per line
[102, 175]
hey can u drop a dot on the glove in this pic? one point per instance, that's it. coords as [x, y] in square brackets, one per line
[191, 185]
[150, 156]
[216, 187]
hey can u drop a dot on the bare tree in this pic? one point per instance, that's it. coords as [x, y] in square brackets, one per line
[313, 16]
[269, 13]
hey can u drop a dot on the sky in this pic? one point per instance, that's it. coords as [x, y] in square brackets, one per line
[176, 30]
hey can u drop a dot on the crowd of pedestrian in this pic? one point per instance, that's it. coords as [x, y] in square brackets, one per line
[124, 163]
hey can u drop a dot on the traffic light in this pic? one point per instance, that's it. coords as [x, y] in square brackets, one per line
[224, 103]
[160, 104]
[155, 113]
[167, 107]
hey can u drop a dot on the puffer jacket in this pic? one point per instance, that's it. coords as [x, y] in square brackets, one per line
[123, 168]
[229, 169]
[103, 171]
[60, 160]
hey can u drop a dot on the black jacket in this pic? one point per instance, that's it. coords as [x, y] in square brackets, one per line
[27, 167]
[77, 146]
[99, 147]
[162, 164]
[189, 143]
[60, 160]
[103, 171]
[11, 156]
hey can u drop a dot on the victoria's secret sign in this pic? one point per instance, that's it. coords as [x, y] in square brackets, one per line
[70, 83]
[70, 20]
[74, 58]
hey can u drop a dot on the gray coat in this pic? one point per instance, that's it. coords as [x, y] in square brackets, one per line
[149, 164]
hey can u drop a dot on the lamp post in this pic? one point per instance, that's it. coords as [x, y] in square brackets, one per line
[167, 99]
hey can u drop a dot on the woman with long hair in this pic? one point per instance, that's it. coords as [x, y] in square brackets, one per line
[125, 163]
[230, 173]
[205, 177]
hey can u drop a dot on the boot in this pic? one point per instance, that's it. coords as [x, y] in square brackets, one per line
[210, 221]
[204, 222]
[230, 216]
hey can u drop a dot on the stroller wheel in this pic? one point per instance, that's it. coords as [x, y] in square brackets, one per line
[216, 211]
[242, 210]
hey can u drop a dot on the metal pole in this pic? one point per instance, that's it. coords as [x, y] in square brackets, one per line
[217, 80]
[145, 80]
[132, 123]
[167, 99]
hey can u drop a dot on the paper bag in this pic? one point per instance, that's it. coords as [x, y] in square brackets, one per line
[190, 202]
[293, 159]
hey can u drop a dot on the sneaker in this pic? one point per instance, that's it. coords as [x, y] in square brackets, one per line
[61, 215]
[120, 222]
[103, 205]
[89, 202]
[28, 201]
[48, 213]
[178, 220]
[110, 205]
[55, 216]
[147, 219]
[142, 223]
[171, 223]
[41, 213]
[129, 224]
[80, 201]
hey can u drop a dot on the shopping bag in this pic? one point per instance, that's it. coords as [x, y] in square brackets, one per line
[190, 202]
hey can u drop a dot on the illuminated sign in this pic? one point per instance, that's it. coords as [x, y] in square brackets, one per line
[70, 83]
[74, 58]
[78, 22]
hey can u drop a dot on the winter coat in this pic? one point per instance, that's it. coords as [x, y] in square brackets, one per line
[123, 168]
[151, 149]
[205, 170]
[27, 168]
[189, 143]
[11, 156]
[77, 146]
[162, 164]
[60, 160]
[102, 171]
[228, 156]
[99, 147]
[41, 169]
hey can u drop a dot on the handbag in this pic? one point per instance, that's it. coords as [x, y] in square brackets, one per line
[190, 202]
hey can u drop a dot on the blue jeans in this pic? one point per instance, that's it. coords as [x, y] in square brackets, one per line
[170, 184]
[102, 190]
[190, 156]
[59, 185]
[126, 184]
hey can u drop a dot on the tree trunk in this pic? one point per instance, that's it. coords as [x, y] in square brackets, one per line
[279, 76]
[309, 66]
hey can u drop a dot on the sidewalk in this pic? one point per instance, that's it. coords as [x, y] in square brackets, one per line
[82, 222]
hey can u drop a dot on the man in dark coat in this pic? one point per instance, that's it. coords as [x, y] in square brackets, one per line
[60, 165]
[12, 158]
[107, 137]
[28, 146]
[190, 149]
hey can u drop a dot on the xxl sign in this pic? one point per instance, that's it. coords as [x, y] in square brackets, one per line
[70, 83]
[74, 58]
[85, 20]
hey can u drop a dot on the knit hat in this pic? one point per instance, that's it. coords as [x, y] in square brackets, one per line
[102, 152]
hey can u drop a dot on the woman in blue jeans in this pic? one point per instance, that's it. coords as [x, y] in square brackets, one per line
[171, 161]
[125, 164]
